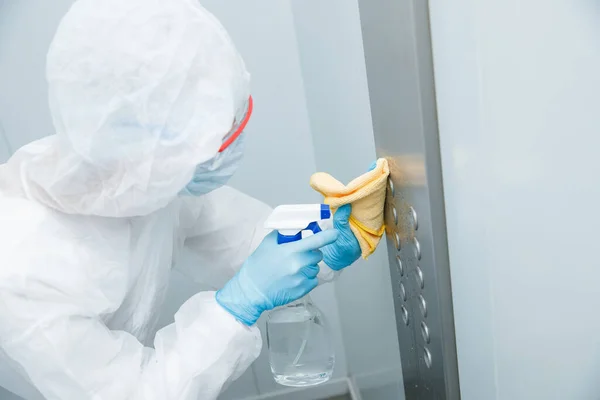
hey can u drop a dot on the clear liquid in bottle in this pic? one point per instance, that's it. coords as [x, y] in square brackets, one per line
[300, 350]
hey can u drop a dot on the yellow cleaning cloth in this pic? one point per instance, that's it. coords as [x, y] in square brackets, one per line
[367, 196]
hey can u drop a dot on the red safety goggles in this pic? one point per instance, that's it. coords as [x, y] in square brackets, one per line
[237, 129]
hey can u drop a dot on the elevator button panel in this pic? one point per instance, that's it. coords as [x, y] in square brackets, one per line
[416, 232]
[411, 261]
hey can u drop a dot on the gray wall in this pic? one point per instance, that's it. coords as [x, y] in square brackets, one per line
[517, 86]
[24, 112]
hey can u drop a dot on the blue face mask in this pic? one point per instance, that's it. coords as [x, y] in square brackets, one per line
[215, 173]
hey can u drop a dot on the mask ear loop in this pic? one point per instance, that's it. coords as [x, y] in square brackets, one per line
[241, 128]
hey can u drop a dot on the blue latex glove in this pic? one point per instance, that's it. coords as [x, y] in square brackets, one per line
[346, 250]
[274, 275]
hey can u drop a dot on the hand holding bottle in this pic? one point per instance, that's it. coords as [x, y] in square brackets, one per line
[274, 275]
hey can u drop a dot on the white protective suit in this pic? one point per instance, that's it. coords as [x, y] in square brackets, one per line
[141, 92]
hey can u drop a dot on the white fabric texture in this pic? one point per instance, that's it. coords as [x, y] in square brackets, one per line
[141, 92]
[79, 298]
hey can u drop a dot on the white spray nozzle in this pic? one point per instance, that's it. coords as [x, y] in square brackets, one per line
[293, 219]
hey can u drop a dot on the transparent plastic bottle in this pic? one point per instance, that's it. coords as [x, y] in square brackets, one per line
[299, 342]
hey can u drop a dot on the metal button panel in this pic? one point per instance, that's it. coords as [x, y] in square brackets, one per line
[427, 357]
[423, 305]
[414, 218]
[419, 277]
[425, 332]
[404, 312]
[399, 266]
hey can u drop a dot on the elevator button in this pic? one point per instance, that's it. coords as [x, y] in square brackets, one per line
[395, 215]
[402, 292]
[427, 357]
[404, 313]
[419, 277]
[398, 242]
[414, 217]
[423, 305]
[417, 248]
[392, 189]
[425, 332]
[399, 266]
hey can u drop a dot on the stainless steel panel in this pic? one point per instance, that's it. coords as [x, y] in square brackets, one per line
[397, 48]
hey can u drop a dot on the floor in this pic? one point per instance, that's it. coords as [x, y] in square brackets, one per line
[5, 395]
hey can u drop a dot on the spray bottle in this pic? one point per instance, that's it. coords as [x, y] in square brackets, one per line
[300, 349]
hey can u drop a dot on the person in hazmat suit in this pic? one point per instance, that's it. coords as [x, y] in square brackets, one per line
[149, 99]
